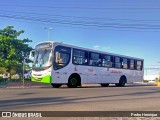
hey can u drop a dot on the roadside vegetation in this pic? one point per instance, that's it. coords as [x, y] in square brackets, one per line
[14, 51]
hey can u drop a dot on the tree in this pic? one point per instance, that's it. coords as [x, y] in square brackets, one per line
[12, 48]
[2, 70]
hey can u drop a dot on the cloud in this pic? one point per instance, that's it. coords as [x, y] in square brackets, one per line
[97, 47]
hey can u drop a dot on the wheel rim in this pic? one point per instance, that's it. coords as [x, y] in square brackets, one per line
[73, 81]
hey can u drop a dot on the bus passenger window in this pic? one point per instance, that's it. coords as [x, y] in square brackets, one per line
[125, 63]
[107, 62]
[95, 59]
[117, 62]
[132, 64]
[80, 57]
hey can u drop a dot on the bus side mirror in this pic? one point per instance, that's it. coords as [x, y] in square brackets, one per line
[31, 55]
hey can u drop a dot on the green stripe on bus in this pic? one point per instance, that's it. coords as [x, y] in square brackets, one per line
[45, 79]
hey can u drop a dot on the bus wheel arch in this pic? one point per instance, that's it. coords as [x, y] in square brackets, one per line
[122, 81]
[74, 80]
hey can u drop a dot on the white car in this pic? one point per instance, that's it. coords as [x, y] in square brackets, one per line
[151, 81]
[3, 76]
[27, 75]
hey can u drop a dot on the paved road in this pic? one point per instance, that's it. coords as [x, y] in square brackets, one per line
[90, 98]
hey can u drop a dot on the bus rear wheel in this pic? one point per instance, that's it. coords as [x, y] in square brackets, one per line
[104, 85]
[56, 85]
[122, 82]
[73, 81]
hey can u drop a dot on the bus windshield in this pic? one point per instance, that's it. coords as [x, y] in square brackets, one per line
[42, 58]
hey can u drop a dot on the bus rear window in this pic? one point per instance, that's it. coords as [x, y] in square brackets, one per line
[139, 65]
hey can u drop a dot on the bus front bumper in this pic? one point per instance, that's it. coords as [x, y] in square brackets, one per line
[44, 79]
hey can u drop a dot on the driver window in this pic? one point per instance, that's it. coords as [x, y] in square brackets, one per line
[61, 57]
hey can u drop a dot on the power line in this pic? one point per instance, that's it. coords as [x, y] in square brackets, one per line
[61, 18]
[80, 23]
[70, 20]
[77, 17]
[82, 27]
[83, 8]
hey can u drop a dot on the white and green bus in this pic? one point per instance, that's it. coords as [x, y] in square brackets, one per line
[63, 64]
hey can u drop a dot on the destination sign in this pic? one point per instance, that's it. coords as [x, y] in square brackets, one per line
[43, 45]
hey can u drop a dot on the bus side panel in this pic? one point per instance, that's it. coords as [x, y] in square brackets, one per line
[106, 79]
[115, 79]
[62, 75]
[83, 78]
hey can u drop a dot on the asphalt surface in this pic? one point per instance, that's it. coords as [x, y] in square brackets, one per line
[87, 98]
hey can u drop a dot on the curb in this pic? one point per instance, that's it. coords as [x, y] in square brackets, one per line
[20, 85]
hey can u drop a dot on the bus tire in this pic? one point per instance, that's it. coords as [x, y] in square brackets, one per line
[56, 85]
[122, 81]
[73, 81]
[104, 85]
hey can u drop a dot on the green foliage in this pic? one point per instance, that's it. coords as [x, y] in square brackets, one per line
[157, 79]
[27, 79]
[3, 79]
[2, 70]
[13, 49]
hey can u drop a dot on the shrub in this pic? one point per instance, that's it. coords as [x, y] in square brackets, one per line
[3, 79]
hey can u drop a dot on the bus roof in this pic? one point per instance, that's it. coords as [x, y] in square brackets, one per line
[92, 50]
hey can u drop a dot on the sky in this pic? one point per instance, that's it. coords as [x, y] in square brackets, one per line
[124, 27]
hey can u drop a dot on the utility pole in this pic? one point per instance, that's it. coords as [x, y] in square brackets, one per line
[23, 67]
[49, 29]
[159, 73]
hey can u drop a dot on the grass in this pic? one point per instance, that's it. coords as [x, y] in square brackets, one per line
[13, 80]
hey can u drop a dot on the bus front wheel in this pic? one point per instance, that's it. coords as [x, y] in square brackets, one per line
[73, 81]
[56, 85]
